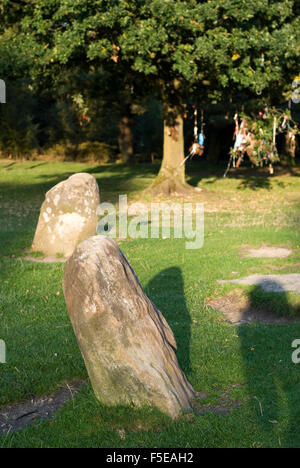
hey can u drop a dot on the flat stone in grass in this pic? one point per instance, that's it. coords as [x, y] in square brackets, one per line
[265, 252]
[68, 216]
[128, 347]
[270, 283]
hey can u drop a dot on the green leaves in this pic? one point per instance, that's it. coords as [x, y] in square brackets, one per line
[164, 40]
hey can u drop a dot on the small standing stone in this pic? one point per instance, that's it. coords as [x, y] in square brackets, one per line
[128, 347]
[68, 216]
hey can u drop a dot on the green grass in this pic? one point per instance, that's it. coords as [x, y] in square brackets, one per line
[250, 364]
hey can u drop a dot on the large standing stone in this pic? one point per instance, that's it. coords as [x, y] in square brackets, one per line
[68, 215]
[127, 345]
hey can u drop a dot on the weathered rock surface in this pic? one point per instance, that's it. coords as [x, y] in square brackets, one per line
[127, 345]
[68, 216]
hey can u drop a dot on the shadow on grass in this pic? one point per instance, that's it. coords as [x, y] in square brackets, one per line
[270, 296]
[9, 166]
[272, 378]
[36, 165]
[198, 170]
[260, 182]
[250, 178]
[112, 179]
[166, 290]
[254, 183]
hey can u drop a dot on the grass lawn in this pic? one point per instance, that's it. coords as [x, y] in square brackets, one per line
[247, 369]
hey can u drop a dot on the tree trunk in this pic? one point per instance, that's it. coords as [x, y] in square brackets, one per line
[289, 149]
[125, 138]
[171, 178]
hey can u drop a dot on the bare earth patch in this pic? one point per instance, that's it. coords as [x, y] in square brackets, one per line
[265, 252]
[20, 415]
[224, 406]
[238, 310]
[39, 257]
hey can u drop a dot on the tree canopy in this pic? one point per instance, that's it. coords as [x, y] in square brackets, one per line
[210, 46]
[169, 48]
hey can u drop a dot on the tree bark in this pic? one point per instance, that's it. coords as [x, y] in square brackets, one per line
[125, 138]
[289, 149]
[171, 178]
[174, 150]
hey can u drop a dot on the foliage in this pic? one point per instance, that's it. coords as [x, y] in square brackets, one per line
[117, 54]
[96, 152]
[174, 46]
[18, 131]
[262, 129]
